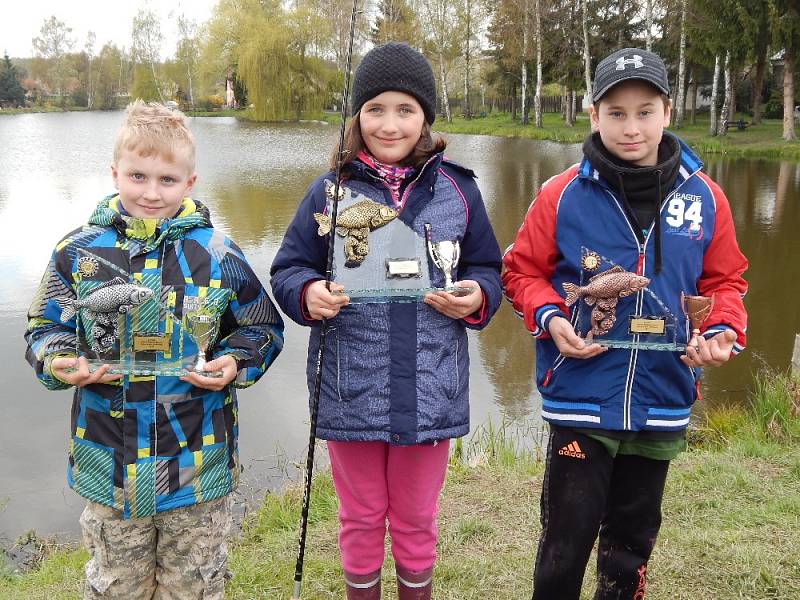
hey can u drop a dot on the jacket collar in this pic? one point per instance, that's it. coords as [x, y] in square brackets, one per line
[150, 232]
[360, 170]
[690, 165]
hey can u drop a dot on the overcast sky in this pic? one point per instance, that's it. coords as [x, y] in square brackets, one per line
[109, 19]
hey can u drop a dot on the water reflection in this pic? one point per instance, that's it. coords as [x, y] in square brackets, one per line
[765, 200]
[54, 168]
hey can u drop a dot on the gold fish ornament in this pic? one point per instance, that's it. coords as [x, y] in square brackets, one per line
[602, 293]
[354, 224]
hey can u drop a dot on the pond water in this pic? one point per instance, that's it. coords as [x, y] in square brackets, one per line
[55, 167]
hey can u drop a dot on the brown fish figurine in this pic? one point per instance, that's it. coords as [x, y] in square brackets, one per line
[354, 223]
[602, 292]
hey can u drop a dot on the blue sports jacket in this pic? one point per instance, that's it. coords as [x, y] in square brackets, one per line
[622, 389]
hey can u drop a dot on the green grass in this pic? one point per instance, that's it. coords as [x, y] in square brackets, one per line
[758, 141]
[221, 112]
[730, 531]
[47, 108]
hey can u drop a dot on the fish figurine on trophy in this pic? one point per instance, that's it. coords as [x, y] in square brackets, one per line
[354, 224]
[602, 293]
[202, 325]
[607, 290]
[101, 310]
[696, 309]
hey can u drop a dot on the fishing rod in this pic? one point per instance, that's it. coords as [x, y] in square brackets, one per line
[312, 436]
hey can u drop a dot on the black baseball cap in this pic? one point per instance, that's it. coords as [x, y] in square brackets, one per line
[629, 63]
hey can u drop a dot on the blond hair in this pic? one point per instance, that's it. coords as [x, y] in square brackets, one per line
[152, 128]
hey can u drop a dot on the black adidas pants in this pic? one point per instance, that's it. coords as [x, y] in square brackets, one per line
[584, 491]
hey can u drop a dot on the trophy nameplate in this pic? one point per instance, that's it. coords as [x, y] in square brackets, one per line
[653, 325]
[398, 267]
[139, 330]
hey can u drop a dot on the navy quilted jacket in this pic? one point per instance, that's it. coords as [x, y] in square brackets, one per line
[394, 372]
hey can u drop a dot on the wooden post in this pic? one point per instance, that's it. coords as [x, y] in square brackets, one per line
[796, 355]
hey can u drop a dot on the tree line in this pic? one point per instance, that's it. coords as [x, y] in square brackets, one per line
[285, 60]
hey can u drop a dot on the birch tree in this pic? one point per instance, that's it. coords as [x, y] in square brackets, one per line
[725, 115]
[52, 45]
[395, 22]
[681, 95]
[587, 62]
[439, 20]
[146, 48]
[472, 15]
[187, 51]
[467, 25]
[648, 19]
[524, 77]
[537, 98]
[712, 127]
[89, 51]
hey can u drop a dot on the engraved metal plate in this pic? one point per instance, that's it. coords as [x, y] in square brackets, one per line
[403, 267]
[654, 325]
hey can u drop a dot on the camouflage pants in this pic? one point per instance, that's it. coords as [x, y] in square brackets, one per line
[175, 555]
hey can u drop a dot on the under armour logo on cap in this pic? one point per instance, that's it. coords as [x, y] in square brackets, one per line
[614, 69]
[636, 61]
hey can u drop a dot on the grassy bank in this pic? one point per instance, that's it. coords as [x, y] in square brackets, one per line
[759, 141]
[731, 521]
[47, 108]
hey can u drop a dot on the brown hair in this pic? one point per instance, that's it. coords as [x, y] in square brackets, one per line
[152, 128]
[429, 143]
[664, 98]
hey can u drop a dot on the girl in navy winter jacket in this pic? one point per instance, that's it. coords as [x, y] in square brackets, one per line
[395, 375]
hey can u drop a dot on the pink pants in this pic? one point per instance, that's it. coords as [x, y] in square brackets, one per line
[375, 480]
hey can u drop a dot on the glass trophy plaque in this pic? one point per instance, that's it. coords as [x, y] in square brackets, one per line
[605, 292]
[379, 258]
[138, 327]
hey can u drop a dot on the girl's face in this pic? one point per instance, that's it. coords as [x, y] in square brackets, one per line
[391, 125]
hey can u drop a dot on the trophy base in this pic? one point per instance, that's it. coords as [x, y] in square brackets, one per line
[144, 368]
[376, 296]
[632, 345]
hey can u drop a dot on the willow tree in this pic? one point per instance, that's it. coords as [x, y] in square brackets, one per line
[273, 50]
[281, 79]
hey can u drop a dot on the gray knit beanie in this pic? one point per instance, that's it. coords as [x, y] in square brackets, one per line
[395, 66]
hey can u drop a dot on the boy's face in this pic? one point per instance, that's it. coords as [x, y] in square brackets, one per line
[151, 187]
[631, 118]
[391, 125]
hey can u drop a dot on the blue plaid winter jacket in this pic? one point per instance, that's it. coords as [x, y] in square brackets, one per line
[148, 444]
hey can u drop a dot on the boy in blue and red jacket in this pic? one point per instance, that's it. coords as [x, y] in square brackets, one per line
[618, 415]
